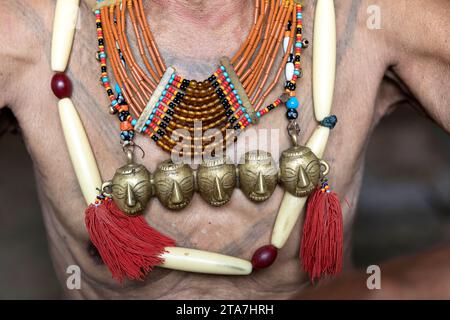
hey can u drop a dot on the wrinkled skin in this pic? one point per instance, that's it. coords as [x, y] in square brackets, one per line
[408, 59]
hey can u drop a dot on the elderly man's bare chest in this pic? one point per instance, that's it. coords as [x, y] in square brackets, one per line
[236, 229]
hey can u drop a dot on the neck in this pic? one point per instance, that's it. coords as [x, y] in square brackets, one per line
[193, 35]
[200, 11]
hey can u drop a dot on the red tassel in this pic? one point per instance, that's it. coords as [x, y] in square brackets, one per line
[128, 245]
[322, 240]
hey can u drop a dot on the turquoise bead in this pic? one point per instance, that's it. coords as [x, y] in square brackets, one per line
[133, 122]
[292, 103]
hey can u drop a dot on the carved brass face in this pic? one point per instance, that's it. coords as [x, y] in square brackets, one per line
[216, 181]
[300, 170]
[131, 188]
[174, 184]
[258, 175]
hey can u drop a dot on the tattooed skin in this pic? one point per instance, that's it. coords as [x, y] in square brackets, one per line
[406, 60]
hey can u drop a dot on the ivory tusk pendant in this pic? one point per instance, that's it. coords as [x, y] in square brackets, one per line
[66, 15]
[192, 260]
[80, 150]
[324, 58]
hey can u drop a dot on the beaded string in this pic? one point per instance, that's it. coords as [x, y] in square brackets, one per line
[118, 103]
[221, 108]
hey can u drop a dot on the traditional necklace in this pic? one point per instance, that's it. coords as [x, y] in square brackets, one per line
[157, 101]
[163, 101]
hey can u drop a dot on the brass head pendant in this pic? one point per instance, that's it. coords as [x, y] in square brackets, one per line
[131, 187]
[258, 175]
[174, 184]
[216, 181]
[301, 170]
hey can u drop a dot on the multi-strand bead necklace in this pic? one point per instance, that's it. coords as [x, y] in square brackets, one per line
[158, 101]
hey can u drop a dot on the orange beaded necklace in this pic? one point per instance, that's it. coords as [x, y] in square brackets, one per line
[155, 100]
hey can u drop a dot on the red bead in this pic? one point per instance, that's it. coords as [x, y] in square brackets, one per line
[61, 85]
[264, 257]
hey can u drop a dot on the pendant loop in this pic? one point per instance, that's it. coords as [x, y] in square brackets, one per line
[324, 168]
[106, 189]
[294, 131]
[129, 147]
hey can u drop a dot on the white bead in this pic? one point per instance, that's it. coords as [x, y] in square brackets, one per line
[80, 150]
[66, 14]
[324, 58]
[289, 71]
[286, 44]
[291, 206]
[192, 260]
